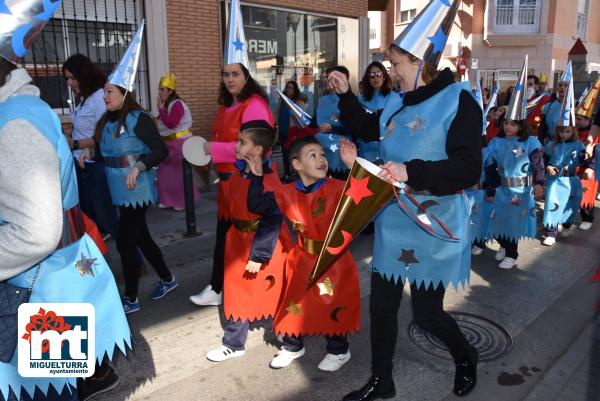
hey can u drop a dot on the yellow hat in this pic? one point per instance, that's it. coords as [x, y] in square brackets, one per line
[543, 78]
[168, 81]
[588, 104]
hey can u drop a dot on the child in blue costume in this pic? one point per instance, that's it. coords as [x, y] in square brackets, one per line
[480, 209]
[551, 112]
[515, 174]
[563, 191]
[58, 280]
[330, 127]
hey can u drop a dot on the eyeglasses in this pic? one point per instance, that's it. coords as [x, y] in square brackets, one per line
[375, 74]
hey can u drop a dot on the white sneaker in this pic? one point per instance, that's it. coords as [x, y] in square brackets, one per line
[560, 228]
[549, 241]
[331, 362]
[475, 250]
[507, 263]
[162, 206]
[285, 357]
[500, 254]
[222, 353]
[207, 297]
[586, 225]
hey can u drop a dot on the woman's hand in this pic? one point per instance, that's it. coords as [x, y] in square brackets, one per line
[86, 154]
[393, 172]
[132, 178]
[253, 267]
[538, 192]
[338, 82]
[254, 162]
[160, 103]
[348, 152]
[588, 173]
[552, 170]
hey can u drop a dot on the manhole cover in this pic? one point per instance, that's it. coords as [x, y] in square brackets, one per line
[491, 340]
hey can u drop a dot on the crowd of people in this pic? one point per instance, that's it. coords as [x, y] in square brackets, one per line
[479, 165]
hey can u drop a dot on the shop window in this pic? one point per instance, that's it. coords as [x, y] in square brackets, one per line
[100, 29]
[517, 16]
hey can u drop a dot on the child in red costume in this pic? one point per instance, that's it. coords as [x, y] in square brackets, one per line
[256, 246]
[586, 173]
[331, 307]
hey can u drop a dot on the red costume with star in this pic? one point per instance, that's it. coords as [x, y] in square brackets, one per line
[251, 296]
[332, 305]
[535, 116]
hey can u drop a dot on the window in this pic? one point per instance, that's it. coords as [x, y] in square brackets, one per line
[582, 12]
[517, 16]
[100, 29]
[404, 16]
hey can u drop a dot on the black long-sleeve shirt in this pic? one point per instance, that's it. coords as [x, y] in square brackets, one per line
[461, 169]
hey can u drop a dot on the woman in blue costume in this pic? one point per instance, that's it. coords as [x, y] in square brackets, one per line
[330, 127]
[377, 92]
[432, 143]
[39, 192]
[514, 176]
[285, 120]
[551, 110]
[131, 147]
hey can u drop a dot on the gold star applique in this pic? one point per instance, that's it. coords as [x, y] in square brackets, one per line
[84, 266]
[326, 287]
[294, 309]
[418, 124]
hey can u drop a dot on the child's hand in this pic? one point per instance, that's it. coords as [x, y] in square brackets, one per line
[538, 191]
[588, 173]
[348, 152]
[552, 170]
[86, 154]
[324, 127]
[254, 163]
[253, 267]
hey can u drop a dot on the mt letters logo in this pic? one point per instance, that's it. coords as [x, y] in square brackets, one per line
[56, 340]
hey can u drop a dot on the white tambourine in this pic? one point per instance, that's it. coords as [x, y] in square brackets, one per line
[193, 151]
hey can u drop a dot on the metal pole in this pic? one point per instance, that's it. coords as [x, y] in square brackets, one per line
[188, 191]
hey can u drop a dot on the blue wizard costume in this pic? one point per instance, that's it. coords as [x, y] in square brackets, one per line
[551, 112]
[329, 113]
[436, 134]
[563, 190]
[76, 272]
[515, 166]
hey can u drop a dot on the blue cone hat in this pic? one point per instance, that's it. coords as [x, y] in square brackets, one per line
[300, 115]
[124, 73]
[567, 74]
[493, 97]
[567, 109]
[517, 108]
[236, 46]
[583, 95]
[20, 23]
[426, 36]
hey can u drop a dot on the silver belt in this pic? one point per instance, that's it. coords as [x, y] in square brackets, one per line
[516, 182]
[122, 161]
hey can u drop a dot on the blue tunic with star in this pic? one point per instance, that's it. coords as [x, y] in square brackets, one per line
[564, 190]
[513, 214]
[329, 113]
[403, 250]
[59, 279]
[370, 150]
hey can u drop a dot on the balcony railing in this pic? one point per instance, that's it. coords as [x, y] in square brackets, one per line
[517, 18]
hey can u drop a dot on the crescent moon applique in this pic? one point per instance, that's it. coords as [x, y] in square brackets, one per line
[493, 215]
[18, 40]
[336, 250]
[555, 207]
[297, 226]
[525, 168]
[427, 204]
[320, 207]
[335, 311]
[271, 281]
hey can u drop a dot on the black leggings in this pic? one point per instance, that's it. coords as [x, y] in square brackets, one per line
[428, 314]
[218, 269]
[133, 233]
[510, 247]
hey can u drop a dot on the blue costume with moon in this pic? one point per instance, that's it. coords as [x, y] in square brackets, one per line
[328, 113]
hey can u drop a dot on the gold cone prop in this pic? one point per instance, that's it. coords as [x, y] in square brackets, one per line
[364, 196]
[587, 106]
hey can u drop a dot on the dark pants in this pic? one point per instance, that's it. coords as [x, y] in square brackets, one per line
[510, 247]
[218, 269]
[284, 155]
[336, 345]
[553, 231]
[133, 233]
[52, 395]
[94, 197]
[479, 243]
[428, 314]
[235, 335]
[587, 214]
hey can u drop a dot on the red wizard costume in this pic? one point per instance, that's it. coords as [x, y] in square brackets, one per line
[586, 109]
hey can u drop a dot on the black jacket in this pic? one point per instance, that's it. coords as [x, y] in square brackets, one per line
[462, 169]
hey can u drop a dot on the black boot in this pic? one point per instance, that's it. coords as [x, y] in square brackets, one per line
[375, 389]
[465, 377]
